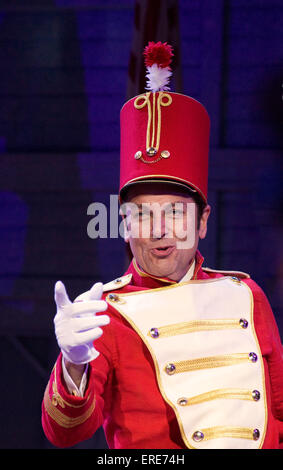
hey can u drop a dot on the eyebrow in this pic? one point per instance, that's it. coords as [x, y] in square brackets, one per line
[145, 205]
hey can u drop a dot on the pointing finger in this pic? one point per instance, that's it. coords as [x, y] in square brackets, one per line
[60, 295]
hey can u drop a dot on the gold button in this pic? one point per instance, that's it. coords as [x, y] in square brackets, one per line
[113, 297]
[244, 323]
[170, 369]
[198, 436]
[151, 151]
[154, 333]
[256, 395]
[165, 154]
[253, 357]
[182, 401]
[138, 155]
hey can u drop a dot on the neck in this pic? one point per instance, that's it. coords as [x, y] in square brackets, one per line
[143, 279]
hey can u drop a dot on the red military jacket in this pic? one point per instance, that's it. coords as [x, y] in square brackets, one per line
[123, 394]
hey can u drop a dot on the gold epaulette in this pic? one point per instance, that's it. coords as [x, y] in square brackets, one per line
[118, 283]
[239, 274]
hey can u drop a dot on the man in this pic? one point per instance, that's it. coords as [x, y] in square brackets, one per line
[170, 355]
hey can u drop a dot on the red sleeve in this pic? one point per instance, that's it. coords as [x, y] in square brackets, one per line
[271, 347]
[68, 419]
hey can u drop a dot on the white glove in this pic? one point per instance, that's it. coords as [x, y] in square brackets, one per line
[76, 324]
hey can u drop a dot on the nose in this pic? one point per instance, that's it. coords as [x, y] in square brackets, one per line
[158, 226]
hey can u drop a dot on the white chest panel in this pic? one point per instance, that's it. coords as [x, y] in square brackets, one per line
[207, 358]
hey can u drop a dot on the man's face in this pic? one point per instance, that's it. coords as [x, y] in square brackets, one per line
[162, 229]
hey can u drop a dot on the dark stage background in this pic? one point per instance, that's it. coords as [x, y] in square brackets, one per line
[66, 68]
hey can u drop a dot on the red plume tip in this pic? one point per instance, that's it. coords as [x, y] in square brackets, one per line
[158, 53]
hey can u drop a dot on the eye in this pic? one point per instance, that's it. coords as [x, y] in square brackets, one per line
[174, 212]
[178, 212]
[144, 214]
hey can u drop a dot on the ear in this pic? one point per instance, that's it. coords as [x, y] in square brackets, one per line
[203, 222]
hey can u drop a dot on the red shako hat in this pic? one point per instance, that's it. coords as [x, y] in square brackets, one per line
[164, 135]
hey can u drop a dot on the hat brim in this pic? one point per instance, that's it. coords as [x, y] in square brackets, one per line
[178, 184]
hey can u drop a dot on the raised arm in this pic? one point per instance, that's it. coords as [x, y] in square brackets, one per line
[67, 418]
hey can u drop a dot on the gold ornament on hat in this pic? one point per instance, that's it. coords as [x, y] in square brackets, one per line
[152, 134]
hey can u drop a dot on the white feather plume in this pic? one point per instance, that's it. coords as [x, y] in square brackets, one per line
[158, 78]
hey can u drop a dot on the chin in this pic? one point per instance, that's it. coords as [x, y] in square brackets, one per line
[162, 270]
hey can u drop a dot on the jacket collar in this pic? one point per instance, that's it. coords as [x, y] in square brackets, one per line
[143, 279]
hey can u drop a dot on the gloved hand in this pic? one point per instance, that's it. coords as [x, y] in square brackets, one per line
[76, 324]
